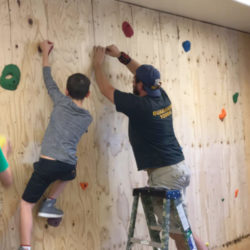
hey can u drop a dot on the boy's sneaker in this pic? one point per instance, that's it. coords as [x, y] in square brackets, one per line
[48, 209]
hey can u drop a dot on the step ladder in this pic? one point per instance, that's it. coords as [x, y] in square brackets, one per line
[168, 196]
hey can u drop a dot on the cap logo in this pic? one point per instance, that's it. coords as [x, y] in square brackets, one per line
[156, 85]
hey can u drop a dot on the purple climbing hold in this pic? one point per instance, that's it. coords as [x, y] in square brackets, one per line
[186, 46]
[54, 222]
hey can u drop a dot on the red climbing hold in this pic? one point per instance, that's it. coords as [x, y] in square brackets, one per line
[40, 50]
[51, 46]
[127, 29]
[223, 114]
[84, 185]
[236, 193]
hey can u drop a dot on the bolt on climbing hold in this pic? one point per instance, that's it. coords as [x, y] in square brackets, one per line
[127, 29]
[235, 97]
[3, 140]
[186, 45]
[236, 193]
[223, 114]
[84, 185]
[10, 77]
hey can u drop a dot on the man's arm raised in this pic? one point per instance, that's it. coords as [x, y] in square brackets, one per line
[131, 64]
[103, 83]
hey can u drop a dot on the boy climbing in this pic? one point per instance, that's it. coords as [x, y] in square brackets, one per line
[57, 163]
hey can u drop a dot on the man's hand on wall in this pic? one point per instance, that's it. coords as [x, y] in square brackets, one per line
[99, 54]
[113, 51]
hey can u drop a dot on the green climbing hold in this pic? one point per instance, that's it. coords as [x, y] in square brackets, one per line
[235, 97]
[10, 77]
[222, 199]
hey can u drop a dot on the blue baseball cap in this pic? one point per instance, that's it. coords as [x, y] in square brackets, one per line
[150, 77]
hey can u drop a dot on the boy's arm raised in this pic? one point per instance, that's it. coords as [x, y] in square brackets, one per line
[51, 85]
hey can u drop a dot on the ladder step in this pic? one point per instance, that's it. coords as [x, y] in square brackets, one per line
[156, 228]
[146, 243]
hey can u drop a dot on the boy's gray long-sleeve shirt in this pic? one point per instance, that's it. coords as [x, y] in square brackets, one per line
[67, 124]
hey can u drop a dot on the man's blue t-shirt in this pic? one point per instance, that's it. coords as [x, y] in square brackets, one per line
[151, 131]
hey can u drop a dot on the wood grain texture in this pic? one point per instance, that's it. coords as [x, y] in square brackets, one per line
[200, 83]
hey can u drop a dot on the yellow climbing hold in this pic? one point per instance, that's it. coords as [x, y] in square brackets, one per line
[3, 140]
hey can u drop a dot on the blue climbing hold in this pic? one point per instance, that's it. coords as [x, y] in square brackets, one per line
[186, 46]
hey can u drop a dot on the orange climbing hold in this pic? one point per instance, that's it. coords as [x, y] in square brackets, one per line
[223, 114]
[236, 193]
[84, 185]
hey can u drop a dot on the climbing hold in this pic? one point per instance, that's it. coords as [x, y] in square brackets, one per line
[223, 114]
[127, 29]
[207, 244]
[186, 46]
[10, 77]
[84, 185]
[222, 199]
[235, 97]
[40, 50]
[51, 46]
[30, 21]
[54, 222]
[3, 140]
[236, 193]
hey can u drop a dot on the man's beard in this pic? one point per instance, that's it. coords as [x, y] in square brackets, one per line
[135, 91]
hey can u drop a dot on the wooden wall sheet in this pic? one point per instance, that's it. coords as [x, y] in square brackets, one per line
[200, 83]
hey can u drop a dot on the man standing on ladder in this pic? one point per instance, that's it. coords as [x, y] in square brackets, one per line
[151, 132]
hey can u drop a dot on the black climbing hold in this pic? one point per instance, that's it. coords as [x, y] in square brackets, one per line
[39, 49]
[30, 21]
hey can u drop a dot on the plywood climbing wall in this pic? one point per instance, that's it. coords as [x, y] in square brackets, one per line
[200, 83]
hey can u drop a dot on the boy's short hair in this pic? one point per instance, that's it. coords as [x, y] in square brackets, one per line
[78, 86]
